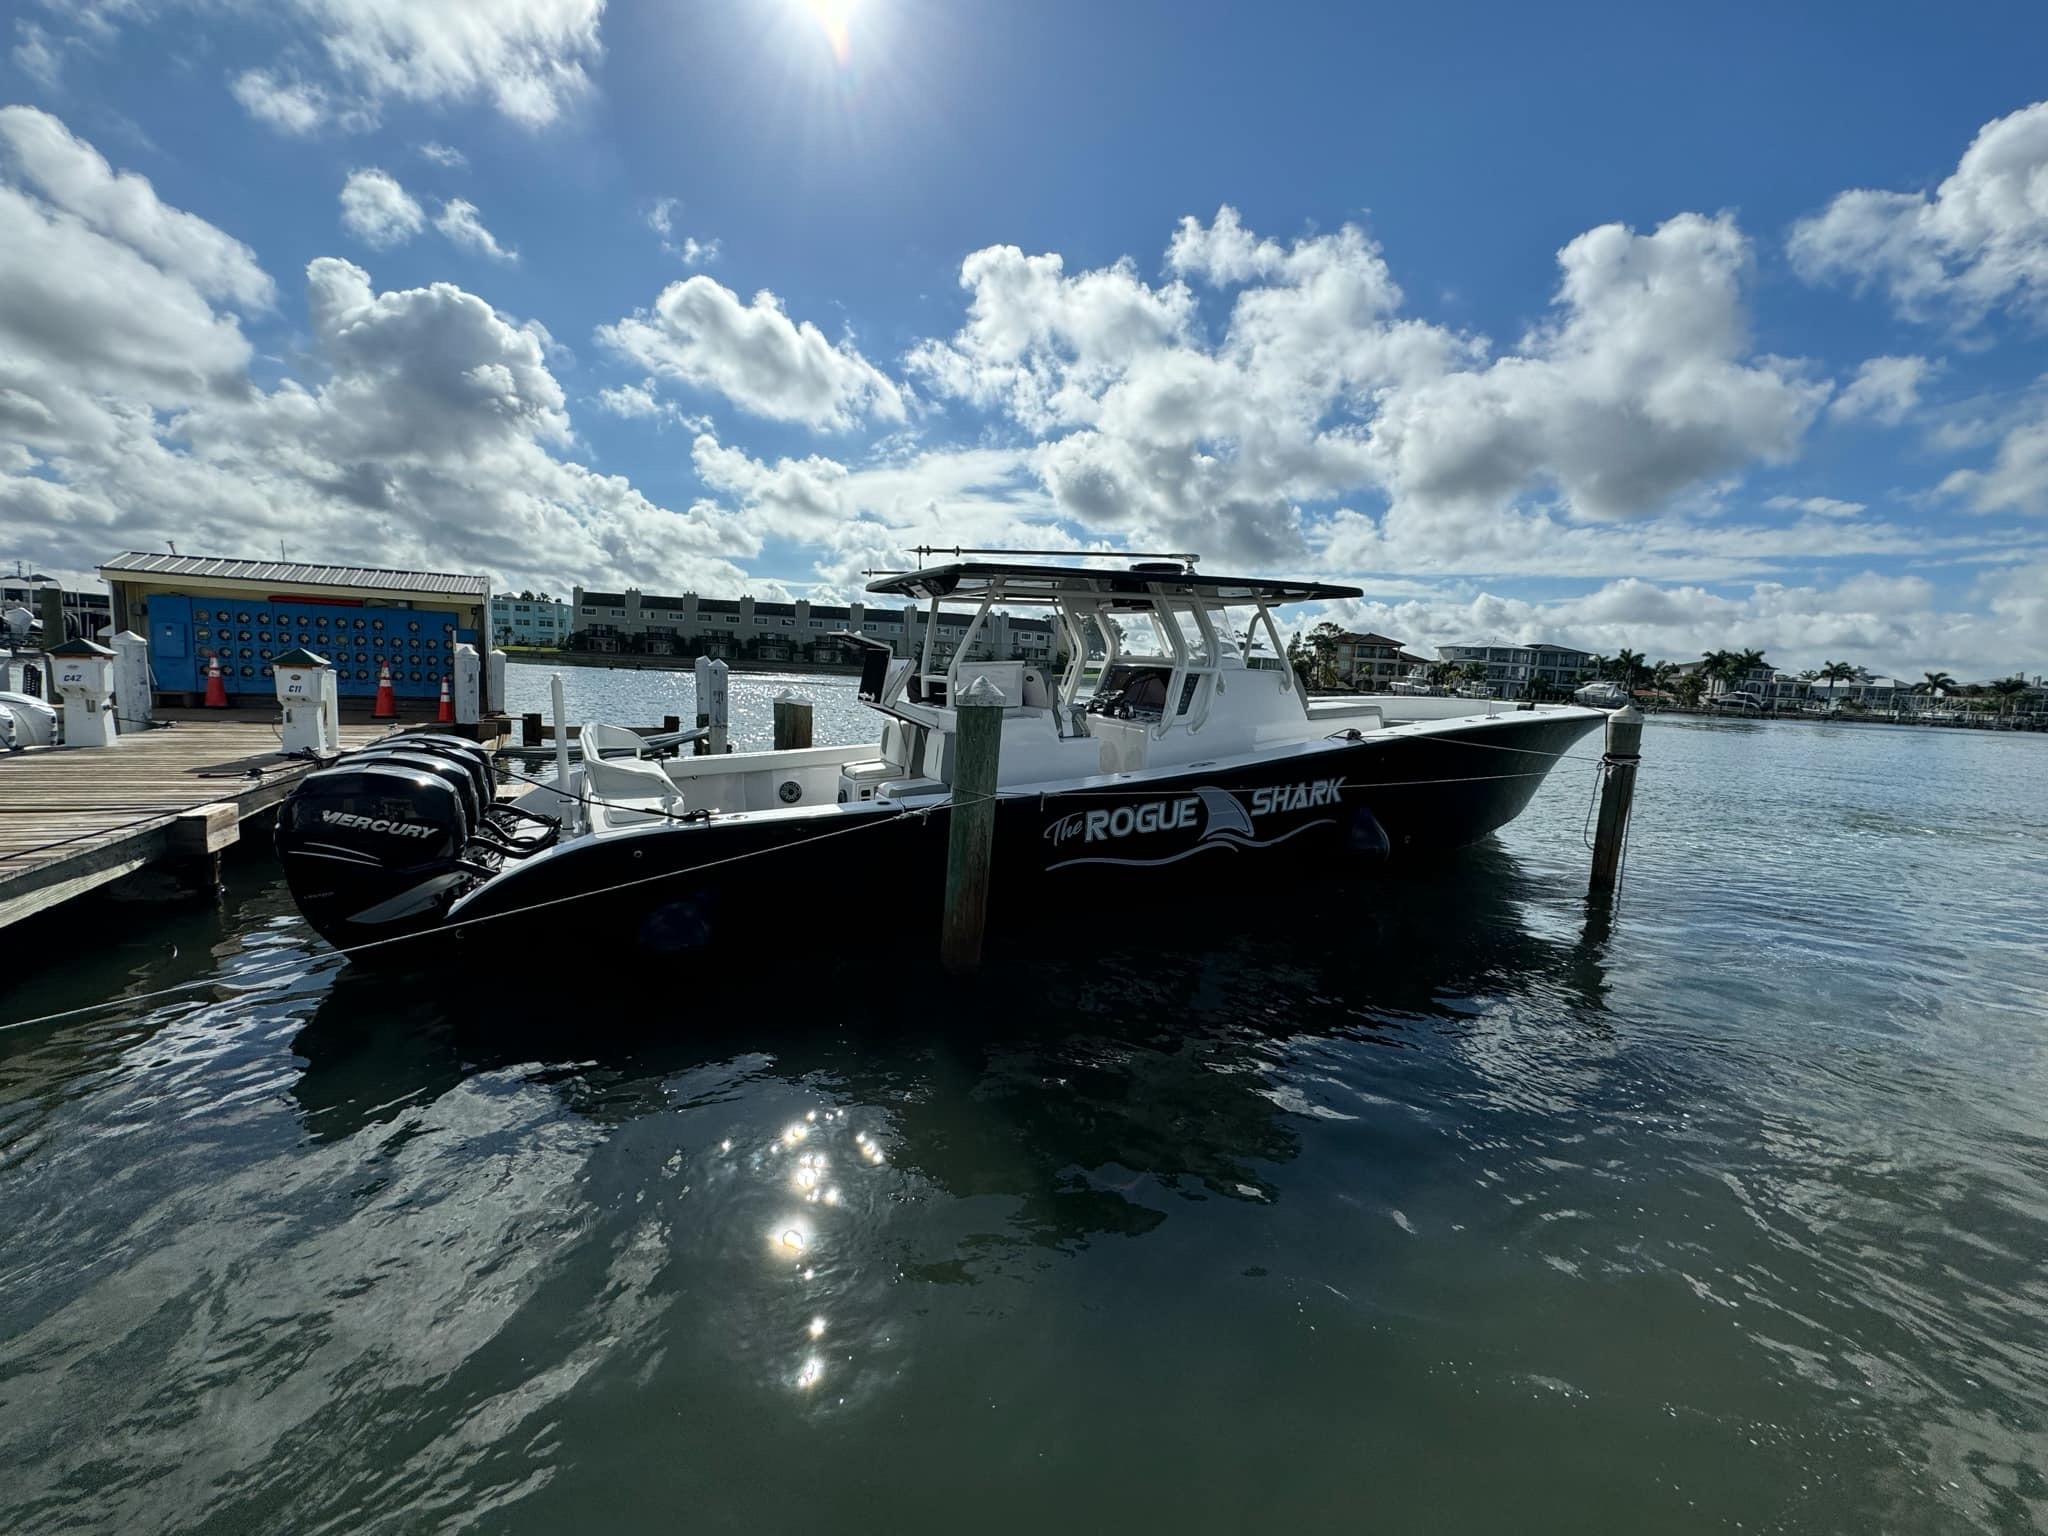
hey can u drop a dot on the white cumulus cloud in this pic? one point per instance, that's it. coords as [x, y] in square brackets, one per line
[378, 211]
[430, 430]
[69, 174]
[1885, 389]
[286, 103]
[688, 249]
[461, 223]
[1978, 242]
[699, 333]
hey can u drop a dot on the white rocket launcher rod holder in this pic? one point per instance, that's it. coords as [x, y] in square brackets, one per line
[311, 695]
[82, 677]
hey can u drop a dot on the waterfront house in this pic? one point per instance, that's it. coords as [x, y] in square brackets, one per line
[1525, 671]
[1369, 662]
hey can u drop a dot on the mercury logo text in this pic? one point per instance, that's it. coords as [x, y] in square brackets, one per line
[377, 824]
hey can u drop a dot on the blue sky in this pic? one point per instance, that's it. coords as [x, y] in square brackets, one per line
[1605, 324]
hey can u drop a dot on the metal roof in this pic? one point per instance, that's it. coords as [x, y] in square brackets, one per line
[972, 580]
[284, 573]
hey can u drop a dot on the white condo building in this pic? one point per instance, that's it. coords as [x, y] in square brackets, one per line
[529, 620]
[745, 629]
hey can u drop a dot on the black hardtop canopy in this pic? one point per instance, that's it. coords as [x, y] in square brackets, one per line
[973, 580]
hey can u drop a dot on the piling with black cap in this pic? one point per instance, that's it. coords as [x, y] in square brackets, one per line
[1617, 794]
[971, 829]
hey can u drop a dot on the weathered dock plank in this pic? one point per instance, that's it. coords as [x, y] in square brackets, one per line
[72, 820]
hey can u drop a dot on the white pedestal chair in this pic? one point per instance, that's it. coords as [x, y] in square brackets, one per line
[626, 787]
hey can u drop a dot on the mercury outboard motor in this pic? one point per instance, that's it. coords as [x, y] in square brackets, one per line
[374, 849]
[475, 760]
[455, 774]
[502, 828]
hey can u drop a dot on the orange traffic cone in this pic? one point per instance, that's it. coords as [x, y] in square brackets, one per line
[386, 706]
[446, 713]
[216, 687]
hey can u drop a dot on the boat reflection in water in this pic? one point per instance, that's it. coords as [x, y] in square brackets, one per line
[769, 1195]
[440, 1243]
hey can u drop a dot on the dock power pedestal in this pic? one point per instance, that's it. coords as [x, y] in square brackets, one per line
[82, 676]
[311, 696]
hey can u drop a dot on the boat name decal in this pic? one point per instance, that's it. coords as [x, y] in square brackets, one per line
[1224, 817]
[378, 824]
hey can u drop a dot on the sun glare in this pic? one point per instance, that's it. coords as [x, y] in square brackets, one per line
[835, 19]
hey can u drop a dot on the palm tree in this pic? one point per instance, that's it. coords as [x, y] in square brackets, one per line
[2008, 690]
[1322, 649]
[1630, 665]
[1747, 662]
[1836, 672]
[1298, 658]
[1716, 667]
[1932, 683]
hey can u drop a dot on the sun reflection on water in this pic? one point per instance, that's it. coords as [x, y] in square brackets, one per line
[798, 1237]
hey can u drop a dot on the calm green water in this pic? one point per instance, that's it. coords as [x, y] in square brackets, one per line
[1414, 1204]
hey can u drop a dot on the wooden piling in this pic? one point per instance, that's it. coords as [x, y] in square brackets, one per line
[719, 706]
[1617, 793]
[792, 722]
[971, 826]
[530, 729]
[53, 617]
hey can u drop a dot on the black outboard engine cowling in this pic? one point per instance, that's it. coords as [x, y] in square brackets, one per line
[454, 774]
[373, 849]
[473, 757]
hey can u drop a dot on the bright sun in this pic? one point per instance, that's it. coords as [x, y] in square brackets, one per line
[834, 18]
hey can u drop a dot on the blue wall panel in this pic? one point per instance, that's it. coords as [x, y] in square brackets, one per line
[245, 633]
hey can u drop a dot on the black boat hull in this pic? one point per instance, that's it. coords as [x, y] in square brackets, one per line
[676, 888]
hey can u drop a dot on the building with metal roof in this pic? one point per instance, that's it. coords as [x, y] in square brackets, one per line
[271, 573]
[201, 610]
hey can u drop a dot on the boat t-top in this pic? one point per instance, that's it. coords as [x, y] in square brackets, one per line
[1176, 736]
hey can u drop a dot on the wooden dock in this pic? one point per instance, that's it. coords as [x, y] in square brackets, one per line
[75, 819]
